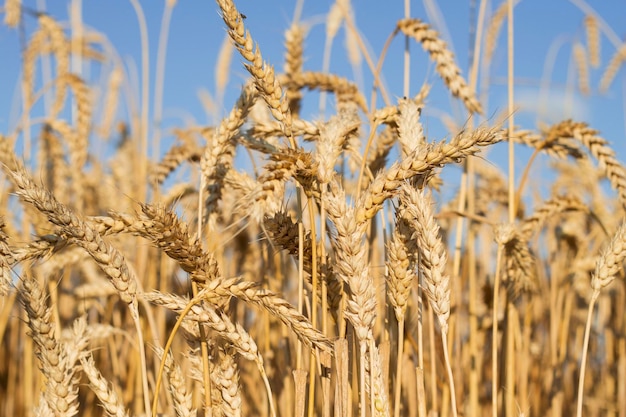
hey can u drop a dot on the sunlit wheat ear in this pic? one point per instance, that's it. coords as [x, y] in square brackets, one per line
[599, 148]
[6, 258]
[222, 68]
[493, 30]
[446, 66]
[265, 79]
[555, 146]
[333, 137]
[60, 47]
[351, 264]
[580, 59]
[400, 274]
[181, 399]
[225, 376]
[421, 162]
[553, 206]
[519, 271]
[173, 158]
[410, 130]
[608, 265]
[417, 208]
[111, 100]
[219, 152]
[107, 395]
[61, 394]
[12, 13]
[593, 40]
[611, 69]
[294, 48]
[344, 90]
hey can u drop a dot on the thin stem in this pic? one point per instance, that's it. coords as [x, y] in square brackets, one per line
[446, 357]
[494, 336]
[160, 79]
[583, 359]
[396, 403]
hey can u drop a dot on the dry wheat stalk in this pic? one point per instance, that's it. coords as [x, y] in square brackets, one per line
[108, 397]
[553, 145]
[262, 73]
[446, 67]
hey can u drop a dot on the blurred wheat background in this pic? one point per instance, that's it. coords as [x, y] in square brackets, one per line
[320, 209]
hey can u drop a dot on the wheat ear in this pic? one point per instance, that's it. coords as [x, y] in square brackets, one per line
[262, 73]
[608, 266]
[433, 259]
[446, 66]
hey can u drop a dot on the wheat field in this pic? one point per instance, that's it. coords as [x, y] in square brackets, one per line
[340, 270]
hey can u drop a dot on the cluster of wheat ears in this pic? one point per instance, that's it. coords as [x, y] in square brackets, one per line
[328, 279]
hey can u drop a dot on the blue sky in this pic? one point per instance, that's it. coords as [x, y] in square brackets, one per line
[197, 32]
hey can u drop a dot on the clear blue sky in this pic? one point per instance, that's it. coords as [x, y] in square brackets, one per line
[197, 32]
